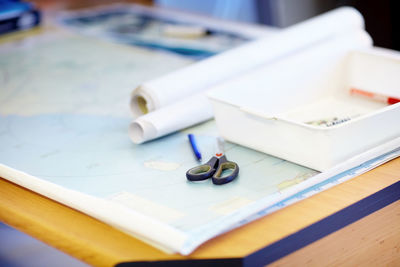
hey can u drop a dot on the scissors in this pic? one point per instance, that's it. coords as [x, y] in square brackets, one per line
[218, 168]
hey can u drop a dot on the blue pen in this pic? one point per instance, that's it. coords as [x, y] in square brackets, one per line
[194, 146]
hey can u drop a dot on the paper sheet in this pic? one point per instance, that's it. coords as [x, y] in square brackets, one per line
[197, 78]
[76, 149]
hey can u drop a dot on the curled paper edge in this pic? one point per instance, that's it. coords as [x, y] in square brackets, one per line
[169, 119]
[143, 100]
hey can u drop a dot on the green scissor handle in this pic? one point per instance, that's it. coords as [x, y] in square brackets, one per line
[224, 165]
[214, 169]
[204, 171]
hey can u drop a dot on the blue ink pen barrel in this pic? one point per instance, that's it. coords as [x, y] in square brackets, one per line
[193, 144]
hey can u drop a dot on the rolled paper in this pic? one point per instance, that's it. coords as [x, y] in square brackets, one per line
[198, 77]
[164, 105]
[170, 118]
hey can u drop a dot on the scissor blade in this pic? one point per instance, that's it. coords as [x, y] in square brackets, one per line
[219, 146]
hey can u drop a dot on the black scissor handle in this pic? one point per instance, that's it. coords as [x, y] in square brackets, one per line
[224, 164]
[202, 172]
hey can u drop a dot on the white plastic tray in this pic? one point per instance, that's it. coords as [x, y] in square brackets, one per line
[271, 109]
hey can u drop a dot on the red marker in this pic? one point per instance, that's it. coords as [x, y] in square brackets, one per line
[378, 97]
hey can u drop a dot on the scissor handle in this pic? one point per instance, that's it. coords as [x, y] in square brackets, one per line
[224, 164]
[202, 172]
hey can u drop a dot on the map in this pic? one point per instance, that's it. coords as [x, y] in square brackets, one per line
[146, 27]
[64, 118]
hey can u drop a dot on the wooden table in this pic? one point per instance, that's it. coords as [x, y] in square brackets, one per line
[354, 223]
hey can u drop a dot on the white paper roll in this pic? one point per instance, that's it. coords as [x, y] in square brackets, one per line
[170, 118]
[198, 77]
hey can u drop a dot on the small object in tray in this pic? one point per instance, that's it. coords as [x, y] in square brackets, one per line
[328, 122]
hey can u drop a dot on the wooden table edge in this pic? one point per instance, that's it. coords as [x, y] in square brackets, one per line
[99, 244]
